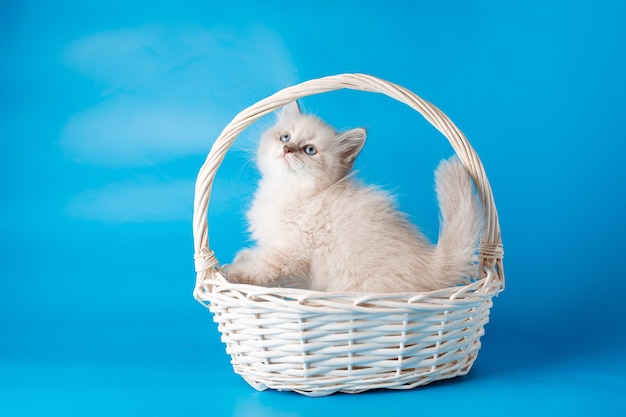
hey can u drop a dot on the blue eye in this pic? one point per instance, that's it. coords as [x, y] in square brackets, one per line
[309, 150]
[285, 137]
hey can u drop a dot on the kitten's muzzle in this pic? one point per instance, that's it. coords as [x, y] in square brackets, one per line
[287, 149]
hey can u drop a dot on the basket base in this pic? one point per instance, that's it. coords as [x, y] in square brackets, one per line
[319, 386]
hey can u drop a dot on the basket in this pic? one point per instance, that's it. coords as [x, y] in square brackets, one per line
[318, 343]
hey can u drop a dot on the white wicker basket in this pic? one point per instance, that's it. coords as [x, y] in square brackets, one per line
[318, 343]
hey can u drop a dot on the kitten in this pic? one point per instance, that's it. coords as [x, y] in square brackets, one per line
[314, 223]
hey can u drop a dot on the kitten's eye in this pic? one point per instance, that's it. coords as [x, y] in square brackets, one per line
[285, 137]
[309, 150]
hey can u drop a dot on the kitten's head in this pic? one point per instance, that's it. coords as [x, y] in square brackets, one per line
[304, 149]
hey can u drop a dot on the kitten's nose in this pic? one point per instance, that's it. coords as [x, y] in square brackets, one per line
[287, 149]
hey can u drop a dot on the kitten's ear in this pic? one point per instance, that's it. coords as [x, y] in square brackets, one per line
[352, 142]
[290, 111]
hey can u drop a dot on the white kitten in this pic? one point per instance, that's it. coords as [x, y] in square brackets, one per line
[314, 223]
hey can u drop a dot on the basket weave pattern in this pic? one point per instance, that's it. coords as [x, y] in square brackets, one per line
[319, 343]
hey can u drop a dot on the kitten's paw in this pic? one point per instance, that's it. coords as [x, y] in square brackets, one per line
[236, 275]
[243, 256]
[249, 267]
[239, 271]
[242, 273]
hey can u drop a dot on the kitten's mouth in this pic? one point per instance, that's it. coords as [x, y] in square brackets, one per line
[290, 161]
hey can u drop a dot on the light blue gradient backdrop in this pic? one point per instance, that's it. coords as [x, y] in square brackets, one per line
[108, 109]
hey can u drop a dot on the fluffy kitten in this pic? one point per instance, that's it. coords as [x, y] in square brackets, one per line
[314, 223]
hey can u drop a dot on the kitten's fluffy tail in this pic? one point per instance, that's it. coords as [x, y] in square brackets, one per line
[461, 223]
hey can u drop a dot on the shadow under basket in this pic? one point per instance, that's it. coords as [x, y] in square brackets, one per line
[318, 343]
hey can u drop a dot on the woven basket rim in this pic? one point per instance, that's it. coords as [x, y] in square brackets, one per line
[208, 268]
[304, 299]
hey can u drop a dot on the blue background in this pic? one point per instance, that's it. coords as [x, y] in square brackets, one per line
[108, 109]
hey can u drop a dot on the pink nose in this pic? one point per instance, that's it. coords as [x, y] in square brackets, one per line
[287, 149]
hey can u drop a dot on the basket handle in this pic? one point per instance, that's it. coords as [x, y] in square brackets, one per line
[490, 249]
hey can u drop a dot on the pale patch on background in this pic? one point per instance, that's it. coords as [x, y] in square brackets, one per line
[168, 90]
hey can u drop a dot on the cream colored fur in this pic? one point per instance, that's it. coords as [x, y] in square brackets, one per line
[313, 223]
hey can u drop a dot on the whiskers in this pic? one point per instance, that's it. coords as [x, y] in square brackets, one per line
[248, 166]
[294, 162]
